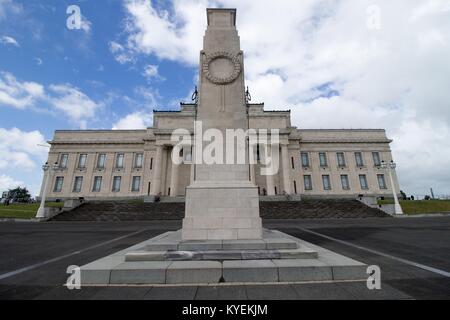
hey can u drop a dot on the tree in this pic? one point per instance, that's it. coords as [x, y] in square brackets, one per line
[19, 194]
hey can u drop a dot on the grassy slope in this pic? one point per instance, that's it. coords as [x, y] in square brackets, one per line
[419, 207]
[24, 211]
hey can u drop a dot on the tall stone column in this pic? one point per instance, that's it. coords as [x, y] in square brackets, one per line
[270, 184]
[222, 203]
[156, 185]
[174, 179]
[286, 175]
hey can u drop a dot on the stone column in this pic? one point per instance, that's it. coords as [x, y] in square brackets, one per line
[270, 184]
[174, 178]
[286, 175]
[156, 185]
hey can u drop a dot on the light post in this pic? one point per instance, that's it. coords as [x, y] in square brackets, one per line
[47, 168]
[391, 167]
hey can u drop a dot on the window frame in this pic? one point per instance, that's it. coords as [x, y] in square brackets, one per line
[365, 180]
[326, 177]
[362, 164]
[348, 187]
[119, 178]
[308, 162]
[384, 187]
[97, 165]
[325, 165]
[75, 189]
[344, 164]
[55, 189]
[309, 178]
[116, 162]
[133, 184]
[94, 189]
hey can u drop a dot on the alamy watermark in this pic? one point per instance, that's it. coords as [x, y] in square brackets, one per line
[228, 146]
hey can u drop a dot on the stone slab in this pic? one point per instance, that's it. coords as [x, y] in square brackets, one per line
[99, 271]
[250, 271]
[153, 272]
[303, 270]
[243, 245]
[199, 272]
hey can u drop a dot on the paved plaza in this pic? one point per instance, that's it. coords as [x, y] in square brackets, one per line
[413, 254]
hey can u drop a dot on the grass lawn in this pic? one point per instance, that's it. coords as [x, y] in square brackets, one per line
[24, 211]
[420, 207]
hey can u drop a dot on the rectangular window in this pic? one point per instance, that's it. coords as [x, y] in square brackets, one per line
[97, 187]
[82, 161]
[119, 160]
[345, 182]
[78, 184]
[58, 184]
[376, 159]
[151, 164]
[359, 159]
[138, 160]
[101, 161]
[116, 184]
[293, 163]
[308, 182]
[382, 181]
[363, 182]
[323, 159]
[326, 182]
[295, 187]
[341, 159]
[136, 185]
[63, 161]
[305, 160]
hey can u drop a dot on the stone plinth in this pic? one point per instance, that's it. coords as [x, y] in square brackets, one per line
[222, 211]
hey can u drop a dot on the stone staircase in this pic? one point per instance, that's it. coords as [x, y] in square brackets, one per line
[139, 211]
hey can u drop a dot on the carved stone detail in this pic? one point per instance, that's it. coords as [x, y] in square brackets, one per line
[235, 60]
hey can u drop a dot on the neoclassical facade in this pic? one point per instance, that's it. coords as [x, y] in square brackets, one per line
[126, 164]
[121, 164]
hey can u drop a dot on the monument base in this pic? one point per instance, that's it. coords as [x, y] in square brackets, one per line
[218, 210]
[168, 260]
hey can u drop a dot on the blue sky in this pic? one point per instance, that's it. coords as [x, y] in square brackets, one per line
[335, 64]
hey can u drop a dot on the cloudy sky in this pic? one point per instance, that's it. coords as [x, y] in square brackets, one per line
[335, 64]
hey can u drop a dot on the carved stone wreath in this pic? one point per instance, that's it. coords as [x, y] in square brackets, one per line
[234, 59]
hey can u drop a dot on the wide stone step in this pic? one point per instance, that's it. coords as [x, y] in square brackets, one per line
[307, 209]
[220, 255]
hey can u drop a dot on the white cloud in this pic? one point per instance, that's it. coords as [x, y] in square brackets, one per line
[319, 59]
[136, 120]
[7, 40]
[20, 149]
[9, 7]
[38, 61]
[6, 183]
[60, 97]
[86, 25]
[73, 102]
[120, 53]
[18, 94]
[151, 72]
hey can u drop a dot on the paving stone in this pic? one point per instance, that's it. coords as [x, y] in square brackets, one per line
[243, 245]
[221, 293]
[303, 270]
[298, 254]
[280, 243]
[194, 272]
[321, 291]
[153, 272]
[171, 293]
[146, 256]
[200, 245]
[271, 292]
[250, 271]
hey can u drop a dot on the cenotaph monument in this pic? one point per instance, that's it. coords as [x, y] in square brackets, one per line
[222, 239]
[222, 203]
